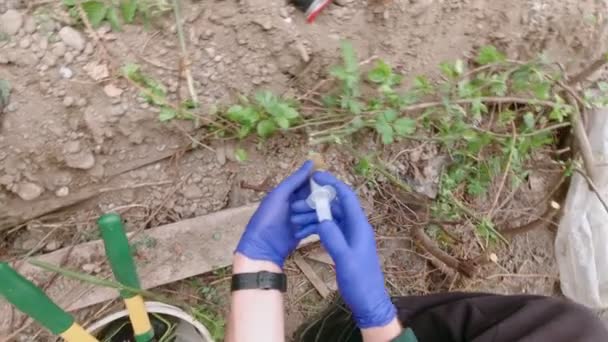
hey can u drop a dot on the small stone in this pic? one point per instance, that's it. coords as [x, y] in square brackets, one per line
[71, 147]
[25, 42]
[210, 51]
[192, 191]
[88, 49]
[342, 2]
[89, 268]
[29, 191]
[112, 91]
[10, 22]
[30, 25]
[66, 72]
[117, 111]
[97, 71]
[58, 49]
[81, 102]
[72, 38]
[69, 57]
[62, 192]
[83, 160]
[52, 246]
[68, 101]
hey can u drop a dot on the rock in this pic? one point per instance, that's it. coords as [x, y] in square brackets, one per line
[29, 244]
[25, 42]
[62, 192]
[72, 38]
[69, 57]
[29, 191]
[71, 147]
[68, 101]
[10, 22]
[81, 102]
[30, 25]
[112, 91]
[58, 50]
[192, 191]
[83, 160]
[52, 246]
[97, 71]
[66, 72]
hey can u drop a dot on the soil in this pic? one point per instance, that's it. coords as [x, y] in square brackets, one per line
[72, 125]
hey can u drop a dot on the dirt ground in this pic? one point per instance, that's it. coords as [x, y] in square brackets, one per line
[73, 126]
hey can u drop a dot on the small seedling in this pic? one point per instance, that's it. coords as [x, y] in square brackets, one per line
[117, 12]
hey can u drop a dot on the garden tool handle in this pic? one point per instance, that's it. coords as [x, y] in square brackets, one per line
[118, 253]
[29, 299]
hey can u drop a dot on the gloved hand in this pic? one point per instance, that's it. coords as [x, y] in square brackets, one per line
[270, 235]
[349, 239]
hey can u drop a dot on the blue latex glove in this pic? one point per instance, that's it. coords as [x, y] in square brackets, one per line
[270, 235]
[350, 242]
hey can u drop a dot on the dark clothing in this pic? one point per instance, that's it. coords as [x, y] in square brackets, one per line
[492, 318]
[474, 317]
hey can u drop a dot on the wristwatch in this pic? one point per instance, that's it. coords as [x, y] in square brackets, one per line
[263, 280]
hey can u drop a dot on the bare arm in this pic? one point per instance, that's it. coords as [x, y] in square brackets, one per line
[255, 315]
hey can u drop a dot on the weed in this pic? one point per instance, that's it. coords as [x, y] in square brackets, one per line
[117, 12]
[265, 114]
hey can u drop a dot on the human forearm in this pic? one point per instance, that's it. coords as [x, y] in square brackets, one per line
[382, 334]
[255, 315]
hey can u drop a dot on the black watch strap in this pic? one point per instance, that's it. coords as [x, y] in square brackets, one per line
[259, 281]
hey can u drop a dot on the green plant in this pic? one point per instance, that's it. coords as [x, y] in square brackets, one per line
[116, 12]
[265, 114]
[155, 94]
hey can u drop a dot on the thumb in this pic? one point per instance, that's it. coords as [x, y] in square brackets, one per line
[295, 180]
[333, 239]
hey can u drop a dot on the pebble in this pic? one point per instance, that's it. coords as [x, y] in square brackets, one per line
[25, 42]
[81, 102]
[62, 192]
[66, 72]
[29, 191]
[10, 22]
[72, 38]
[192, 192]
[112, 91]
[69, 57]
[83, 160]
[30, 25]
[58, 49]
[210, 51]
[68, 101]
[52, 246]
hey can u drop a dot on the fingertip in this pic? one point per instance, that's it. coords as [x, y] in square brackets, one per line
[306, 231]
[300, 207]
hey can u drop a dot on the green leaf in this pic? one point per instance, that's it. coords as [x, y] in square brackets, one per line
[167, 114]
[541, 90]
[404, 126]
[247, 116]
[506, 117]
[128, 9]
[389, 115]
[381, 73]
[240, 155]
[282, 121]
[529, 120]
[422, 85]
[452, 70]
[488, 55]
[69, 3]
[112, 17]
[266, 128]
[477, 108]
[363, 167]
[386, 131]
[265, 99]
[96, 11]
[351, 63]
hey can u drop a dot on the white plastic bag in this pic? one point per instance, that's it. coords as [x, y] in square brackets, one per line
[581, 245]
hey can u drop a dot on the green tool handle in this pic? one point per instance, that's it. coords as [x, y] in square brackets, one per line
[118, 252]
[28, 298]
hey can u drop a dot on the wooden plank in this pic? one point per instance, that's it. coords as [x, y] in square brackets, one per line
[311, 275]
[165, 254]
